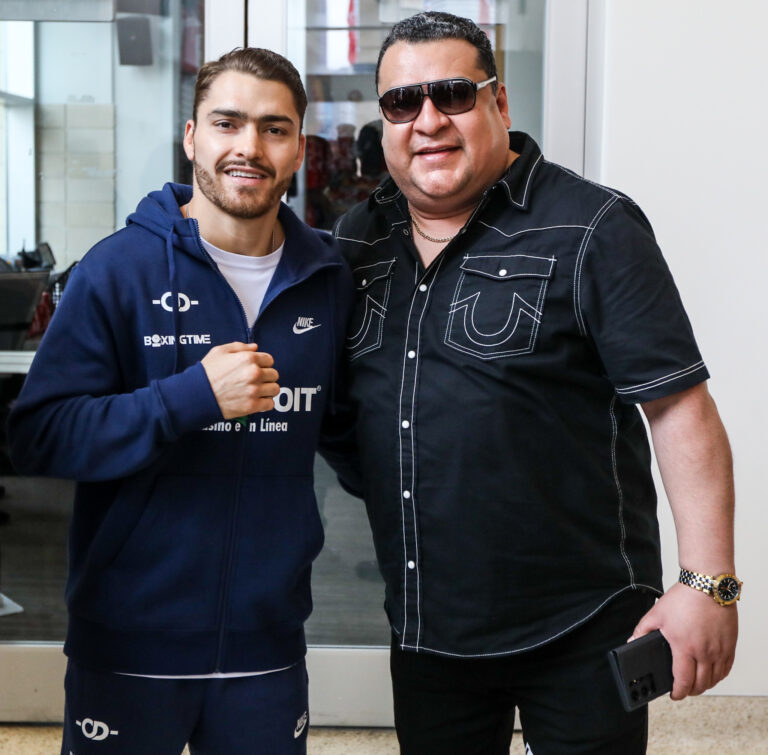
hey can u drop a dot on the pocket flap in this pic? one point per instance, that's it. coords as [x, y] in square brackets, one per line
[368, 274]
[505, 266]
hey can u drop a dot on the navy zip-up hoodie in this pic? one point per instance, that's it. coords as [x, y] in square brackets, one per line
[192, 537]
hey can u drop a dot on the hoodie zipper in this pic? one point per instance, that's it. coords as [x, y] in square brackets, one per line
[226, 580]
[226, 577]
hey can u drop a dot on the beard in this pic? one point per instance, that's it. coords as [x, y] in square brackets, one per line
[245, 203]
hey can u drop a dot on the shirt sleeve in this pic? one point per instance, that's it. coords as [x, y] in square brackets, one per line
[629, 305]
[75, 419]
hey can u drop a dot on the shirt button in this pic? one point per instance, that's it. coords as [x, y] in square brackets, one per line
[411, 354]
[363, 282]
[406, 494]
[423, 287]
[502, 272]
[406, 424]
[411, 565]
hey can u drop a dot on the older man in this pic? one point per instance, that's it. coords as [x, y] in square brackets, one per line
[511, 317]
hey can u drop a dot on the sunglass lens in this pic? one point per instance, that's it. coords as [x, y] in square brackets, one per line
[453, 96]
[401, 104]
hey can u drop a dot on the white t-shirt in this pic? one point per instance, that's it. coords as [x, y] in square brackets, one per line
[249, 277]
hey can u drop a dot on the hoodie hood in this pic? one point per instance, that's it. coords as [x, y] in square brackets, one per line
[160, 213]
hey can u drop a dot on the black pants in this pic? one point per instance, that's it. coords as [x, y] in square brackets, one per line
[564, 691]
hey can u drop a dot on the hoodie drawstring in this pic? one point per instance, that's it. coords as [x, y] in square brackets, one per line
[170, 254]
[334, 356]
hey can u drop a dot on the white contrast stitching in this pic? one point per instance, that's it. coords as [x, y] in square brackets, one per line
[381, 311]
[463, 304]
[375, 241]
[537, 644]
[411, 486]
[586, 180]
[372, 307]
[389, 263]
[580, 260]
[527, 184]
[469, 310]
[664, 379]
[619, 490]
[527, 230]
[511, 257]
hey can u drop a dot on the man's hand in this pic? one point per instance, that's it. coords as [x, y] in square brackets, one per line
[701, 633]
[242, 378]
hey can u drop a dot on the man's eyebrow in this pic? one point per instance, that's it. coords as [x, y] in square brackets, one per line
[243, 116]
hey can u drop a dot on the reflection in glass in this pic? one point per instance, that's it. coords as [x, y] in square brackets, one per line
[337, 42]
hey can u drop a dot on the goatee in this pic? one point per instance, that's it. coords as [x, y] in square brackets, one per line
[245, 203]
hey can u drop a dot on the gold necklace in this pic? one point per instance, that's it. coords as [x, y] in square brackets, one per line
[431, 238]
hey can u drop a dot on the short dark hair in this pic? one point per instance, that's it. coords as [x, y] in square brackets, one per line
[259, 62]
[435, 25]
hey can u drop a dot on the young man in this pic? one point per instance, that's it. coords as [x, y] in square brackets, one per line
[156, 388]
[510, 318]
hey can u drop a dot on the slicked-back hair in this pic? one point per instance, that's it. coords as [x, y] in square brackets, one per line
[432, 26]
[259, 62]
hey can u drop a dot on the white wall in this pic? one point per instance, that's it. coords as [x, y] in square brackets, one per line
[678, 119]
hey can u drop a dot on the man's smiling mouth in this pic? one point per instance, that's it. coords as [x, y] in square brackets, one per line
[244, 174]
[438, 150]
[245, 171]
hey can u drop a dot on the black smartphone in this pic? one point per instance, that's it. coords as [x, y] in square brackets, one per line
[642, 669]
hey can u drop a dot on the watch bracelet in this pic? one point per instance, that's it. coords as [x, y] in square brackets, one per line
[697, 581]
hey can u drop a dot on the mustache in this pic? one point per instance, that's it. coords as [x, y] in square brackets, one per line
[246, 164]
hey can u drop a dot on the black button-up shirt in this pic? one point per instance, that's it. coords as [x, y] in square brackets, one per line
[506, 467]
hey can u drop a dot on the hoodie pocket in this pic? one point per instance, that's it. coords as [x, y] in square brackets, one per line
[167, 574]
[279, 536]
[498, 306]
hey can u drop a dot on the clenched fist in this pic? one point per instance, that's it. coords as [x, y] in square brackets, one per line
[242, 378]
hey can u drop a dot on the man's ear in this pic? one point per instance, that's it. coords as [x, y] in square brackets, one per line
[300, 154]
[189, 144]
[503, 105]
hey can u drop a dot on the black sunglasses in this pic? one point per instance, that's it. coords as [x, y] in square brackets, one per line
[449, 96]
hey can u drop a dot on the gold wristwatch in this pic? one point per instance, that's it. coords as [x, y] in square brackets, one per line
[725, 589]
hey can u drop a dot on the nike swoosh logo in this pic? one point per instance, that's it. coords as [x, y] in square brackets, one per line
[300, 729]
[298, 331]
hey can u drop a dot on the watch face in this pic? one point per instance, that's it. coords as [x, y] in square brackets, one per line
[728, 589]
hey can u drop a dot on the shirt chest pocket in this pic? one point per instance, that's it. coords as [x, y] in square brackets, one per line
[498, 305]
[373, 283]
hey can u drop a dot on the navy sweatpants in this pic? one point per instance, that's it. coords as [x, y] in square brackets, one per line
[113, 714]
